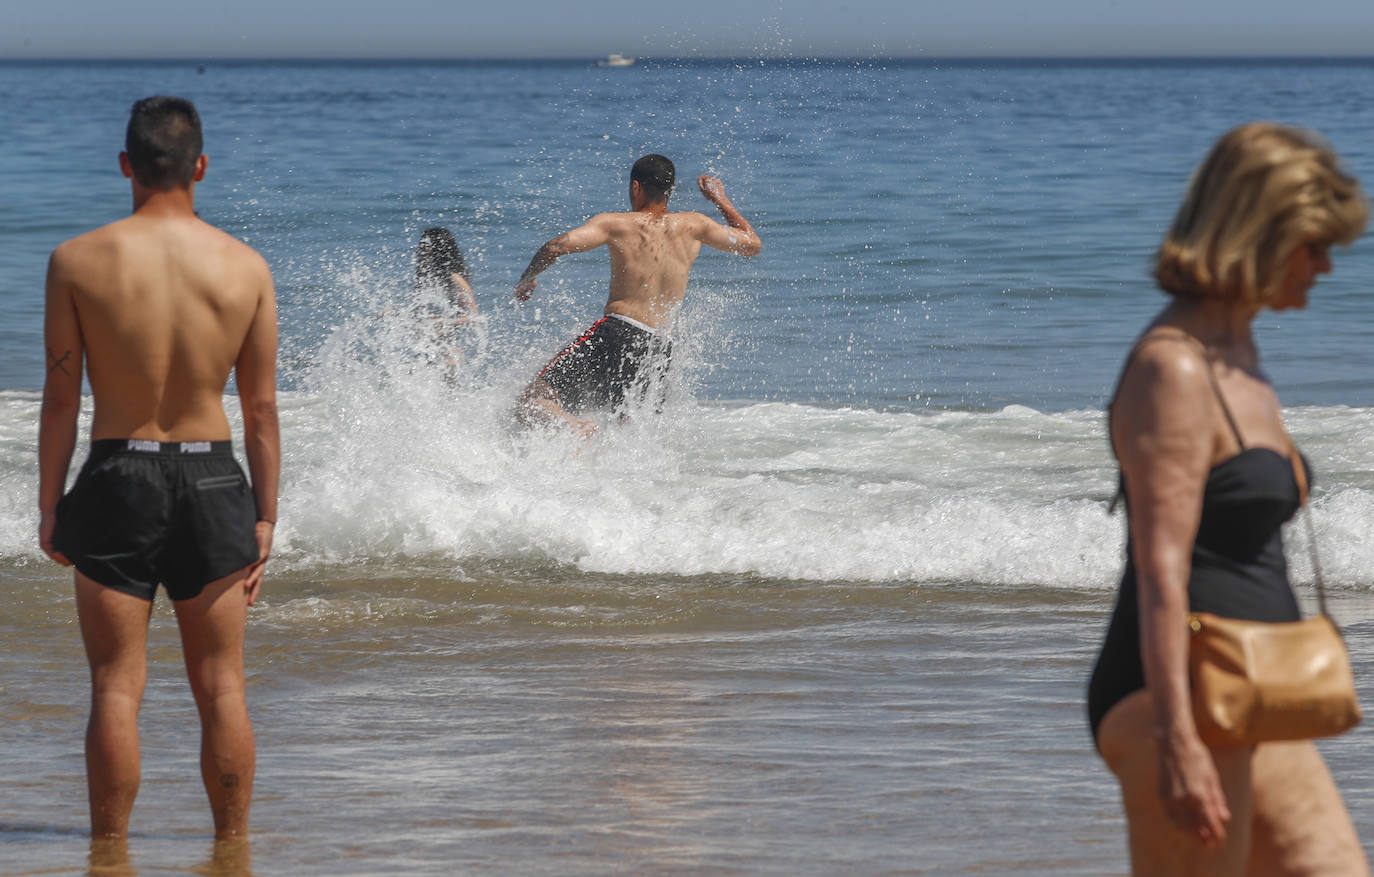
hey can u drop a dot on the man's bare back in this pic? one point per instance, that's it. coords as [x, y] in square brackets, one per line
[167, 305]
[652, 253]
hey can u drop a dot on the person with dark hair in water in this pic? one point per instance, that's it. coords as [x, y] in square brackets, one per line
[160, 308]
[652, 252]
[439, 264]
[443, 295]
[655, 175]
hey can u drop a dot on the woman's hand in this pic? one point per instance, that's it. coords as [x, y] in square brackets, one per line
[1191, 790]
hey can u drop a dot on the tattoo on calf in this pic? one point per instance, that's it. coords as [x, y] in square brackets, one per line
[228, 780]
[58, 362]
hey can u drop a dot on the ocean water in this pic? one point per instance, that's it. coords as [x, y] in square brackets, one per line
[831, 612]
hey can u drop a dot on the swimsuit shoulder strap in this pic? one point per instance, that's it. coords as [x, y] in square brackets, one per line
[1221, 399]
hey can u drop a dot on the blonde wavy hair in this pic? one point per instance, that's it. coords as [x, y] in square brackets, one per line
[1262, 192]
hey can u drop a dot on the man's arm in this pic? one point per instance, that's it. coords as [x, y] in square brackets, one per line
[594, 233]
[61, 398]
[255, 371]
[740, 237]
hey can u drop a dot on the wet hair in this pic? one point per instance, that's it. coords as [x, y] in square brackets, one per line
[437, 259]
[163, 141]
[1261, 193]
[655, 175]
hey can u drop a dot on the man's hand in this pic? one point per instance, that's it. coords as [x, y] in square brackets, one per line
[46, 526]
[263, 531]
[740, 237]
[711, 188]
[524, 289]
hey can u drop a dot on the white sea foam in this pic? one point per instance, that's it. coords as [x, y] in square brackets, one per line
[379, 472]
[387, 462]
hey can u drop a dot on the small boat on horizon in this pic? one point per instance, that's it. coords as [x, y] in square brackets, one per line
[614, 60]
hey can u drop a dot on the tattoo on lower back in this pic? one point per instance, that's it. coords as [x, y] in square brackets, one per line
[58, 362]
[228, 780]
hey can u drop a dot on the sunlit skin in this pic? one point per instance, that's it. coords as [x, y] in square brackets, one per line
[465, 311]
[160, 308]
[1307, 264]
[652, 253]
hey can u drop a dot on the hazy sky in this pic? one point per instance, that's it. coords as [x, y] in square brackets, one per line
[590, 28]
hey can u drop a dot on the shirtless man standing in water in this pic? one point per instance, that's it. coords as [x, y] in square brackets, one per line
[161, 307]
[652, 252]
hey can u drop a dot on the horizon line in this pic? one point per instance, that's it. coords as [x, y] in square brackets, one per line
[589, 59]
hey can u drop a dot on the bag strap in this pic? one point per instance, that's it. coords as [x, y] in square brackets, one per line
[1316, 563]
[1299, 476]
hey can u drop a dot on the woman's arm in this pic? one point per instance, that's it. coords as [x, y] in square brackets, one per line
[1164, 430]
[465, 296]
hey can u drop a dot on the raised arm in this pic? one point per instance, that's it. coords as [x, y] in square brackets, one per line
[1164, 431]
[740, 236]
[594, 233]
[256, 374]
[61, 398]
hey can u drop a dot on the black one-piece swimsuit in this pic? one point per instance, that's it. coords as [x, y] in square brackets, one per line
[1238, 567]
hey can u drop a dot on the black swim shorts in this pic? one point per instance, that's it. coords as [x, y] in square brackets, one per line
[144, 513]
[614, 361]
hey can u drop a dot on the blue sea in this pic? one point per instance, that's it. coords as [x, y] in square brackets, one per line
[831, 612]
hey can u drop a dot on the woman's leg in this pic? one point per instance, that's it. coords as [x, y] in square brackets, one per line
[1301, 826]
[1126, 740]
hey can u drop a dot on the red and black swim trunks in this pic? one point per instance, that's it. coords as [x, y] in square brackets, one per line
[617, 362]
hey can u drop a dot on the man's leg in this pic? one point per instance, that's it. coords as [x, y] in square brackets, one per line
[114, 628]
[539, 405]
[212, 627]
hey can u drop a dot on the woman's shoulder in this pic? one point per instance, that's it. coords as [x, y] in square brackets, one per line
[1166, 354]
[1167, 372]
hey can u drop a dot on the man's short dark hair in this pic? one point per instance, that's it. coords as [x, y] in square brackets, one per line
[163, 142]
[655, 175]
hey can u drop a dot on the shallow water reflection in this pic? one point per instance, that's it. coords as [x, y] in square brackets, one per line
[743, 727]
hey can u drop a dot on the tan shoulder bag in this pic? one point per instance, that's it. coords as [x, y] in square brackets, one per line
[1254, 682]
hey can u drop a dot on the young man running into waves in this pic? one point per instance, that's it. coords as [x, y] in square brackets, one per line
[652, 251]
[161, 306]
